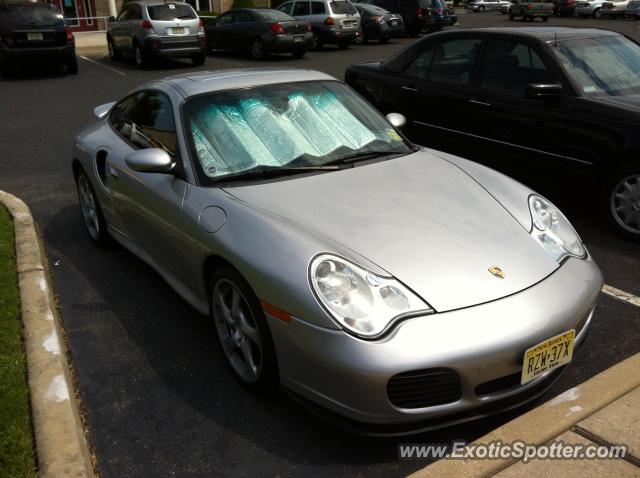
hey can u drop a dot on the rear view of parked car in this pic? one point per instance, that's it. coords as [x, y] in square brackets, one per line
[530, 9]
[332, 22]
[614, 9]
[417, 15]
[150, 29]
[35, 32]
[589, 9]
[259, 32]
[379, 24]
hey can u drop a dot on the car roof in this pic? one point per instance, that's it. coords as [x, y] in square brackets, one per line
[544, 34]
[194, 83]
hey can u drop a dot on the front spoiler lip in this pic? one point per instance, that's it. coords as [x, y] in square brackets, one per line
[357, 427]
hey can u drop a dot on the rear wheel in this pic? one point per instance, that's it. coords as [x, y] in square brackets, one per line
[90, 208]
[257, 49]
[545, 19]
[596, 13]
[141, 57]
[621, 200]
[198, 59]
[316, 43]
[243, 331]
[72, 64]
[114, 54]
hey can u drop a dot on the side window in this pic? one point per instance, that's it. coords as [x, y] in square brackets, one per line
[135, 13]
[146, 120]
[286, 8]
[225, 19]
[301, 9]
[317, 8]
[243, 17]
[124, 15]
[510, 66]
[451, 61]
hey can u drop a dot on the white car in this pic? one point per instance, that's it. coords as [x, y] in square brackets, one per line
[482, 5]
[590, 8]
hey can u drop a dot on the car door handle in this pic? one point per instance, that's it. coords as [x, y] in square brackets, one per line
[410, 88]
[481, 103]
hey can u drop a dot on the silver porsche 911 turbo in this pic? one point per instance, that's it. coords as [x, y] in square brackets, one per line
[396, 287]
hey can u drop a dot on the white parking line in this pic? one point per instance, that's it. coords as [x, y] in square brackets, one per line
[103, 66]
[621, 295]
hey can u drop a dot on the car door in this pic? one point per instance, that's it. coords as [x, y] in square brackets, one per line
[149, 205]
[436, 90]
[518, 129]
[132, 25]
[242, 29]
[118, 29]
[221, 31]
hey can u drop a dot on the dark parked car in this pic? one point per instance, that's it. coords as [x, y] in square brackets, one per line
[35, 32]
[565, 8]
[260, 32]
[155, 28]
[379, 24]
[417, 15]
[547, 101]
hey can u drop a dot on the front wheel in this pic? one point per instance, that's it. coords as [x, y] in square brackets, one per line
[596, 13]
[243, 331]
[316, 43]
[91, 212]
[621, 198]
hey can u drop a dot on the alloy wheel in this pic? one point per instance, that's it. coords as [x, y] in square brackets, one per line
[88, 207]
[237, 330]
[257, 49]
[625, 203]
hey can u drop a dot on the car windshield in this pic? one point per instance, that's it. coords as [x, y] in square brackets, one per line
[275, 16]
[171, 11]
[605, 65]
[341, 8]
[306, 124]
[372, 9]
[30, 14]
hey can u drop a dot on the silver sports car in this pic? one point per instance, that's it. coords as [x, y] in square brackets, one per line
[396, 287]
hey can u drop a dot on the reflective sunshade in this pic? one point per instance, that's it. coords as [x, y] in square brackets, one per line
[295, 124]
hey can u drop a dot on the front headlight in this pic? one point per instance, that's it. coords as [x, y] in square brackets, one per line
[361, 301]
[553, 231]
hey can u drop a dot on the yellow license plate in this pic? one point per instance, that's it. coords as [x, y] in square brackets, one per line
[547, 355]
[178, 30]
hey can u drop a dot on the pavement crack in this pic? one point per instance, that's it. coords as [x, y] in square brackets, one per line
[584, 433]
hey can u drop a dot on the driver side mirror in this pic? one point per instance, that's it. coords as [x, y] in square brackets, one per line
[111, 19]
[151, 160]
[396, 120]
[543, 91]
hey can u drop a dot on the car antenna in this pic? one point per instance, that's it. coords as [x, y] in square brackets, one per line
[555, 38]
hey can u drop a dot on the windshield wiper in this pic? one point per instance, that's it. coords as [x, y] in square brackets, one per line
[264, 172]
[362, 156]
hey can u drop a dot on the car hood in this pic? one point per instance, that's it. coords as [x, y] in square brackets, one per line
[631, 101]
[418, 217]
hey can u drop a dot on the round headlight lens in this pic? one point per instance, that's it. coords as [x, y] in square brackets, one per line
[359, 300]
[553, 231]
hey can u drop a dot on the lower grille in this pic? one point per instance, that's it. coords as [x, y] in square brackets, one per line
[498, 384]
[424, 388]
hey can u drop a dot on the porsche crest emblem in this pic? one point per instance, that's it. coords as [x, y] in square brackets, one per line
[496, 271]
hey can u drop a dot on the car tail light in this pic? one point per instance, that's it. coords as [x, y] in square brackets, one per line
[378, 19]
[69, 35]
[146, 25]
[201, 26]
[309, 29]
[529, 6]
[420, 12]
[276, 29]
[329, 21]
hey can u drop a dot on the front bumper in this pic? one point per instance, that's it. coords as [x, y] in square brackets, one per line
[288, 43]
[52, 53]
[484, 343]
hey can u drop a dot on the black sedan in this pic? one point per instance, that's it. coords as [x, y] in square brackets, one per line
[540, 102]
[35, 33]
[259, 31]
[379, 24]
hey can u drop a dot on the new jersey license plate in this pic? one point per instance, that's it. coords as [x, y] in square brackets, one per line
[547, 355]
[177, 30]
[34, 36]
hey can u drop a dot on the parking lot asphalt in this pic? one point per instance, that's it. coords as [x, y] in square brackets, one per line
[157, 396]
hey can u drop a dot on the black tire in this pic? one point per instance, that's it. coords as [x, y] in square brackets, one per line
[94, 222]
[596, 13]
[114, 53]
[316, 43]
[265, 378]
[383, 40]
[141, 58]
[198, 59]
[343, 45]
[482, 9]
[613, 207]
[258, 50]
[511, 16]
[298, 53]
[72, 64]
[545, 19]
[524, 18]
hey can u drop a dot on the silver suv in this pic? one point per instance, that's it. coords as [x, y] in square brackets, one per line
[336, 22]
[154, 28]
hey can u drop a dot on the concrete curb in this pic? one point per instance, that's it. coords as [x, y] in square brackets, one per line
[547, 421]
[61, 446]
